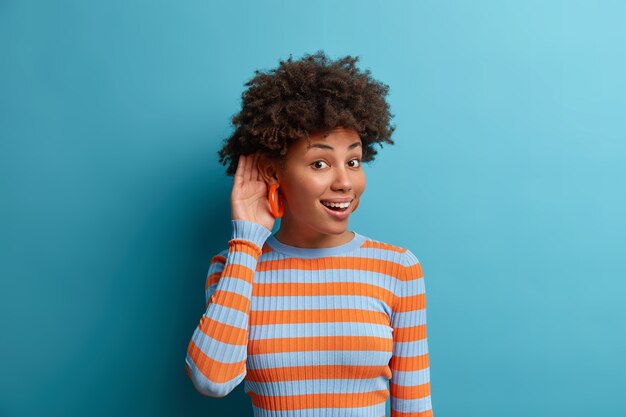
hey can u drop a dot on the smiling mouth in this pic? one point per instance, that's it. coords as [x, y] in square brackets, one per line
[338, 209]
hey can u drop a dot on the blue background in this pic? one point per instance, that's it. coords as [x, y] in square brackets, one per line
[506, 181]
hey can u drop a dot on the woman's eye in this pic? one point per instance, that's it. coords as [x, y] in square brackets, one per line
[318, 162]
[323, 162]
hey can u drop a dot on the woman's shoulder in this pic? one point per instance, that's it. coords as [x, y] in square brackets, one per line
[390, 251]
[384, 245]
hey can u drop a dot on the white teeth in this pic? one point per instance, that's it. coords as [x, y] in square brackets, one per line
[340, 205]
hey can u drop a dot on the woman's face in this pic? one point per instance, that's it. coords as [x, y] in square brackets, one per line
[327, 169]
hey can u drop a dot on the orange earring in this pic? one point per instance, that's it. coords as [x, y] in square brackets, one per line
[277, 204]
[356, 204]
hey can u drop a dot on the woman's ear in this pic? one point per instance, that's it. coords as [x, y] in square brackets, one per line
[268, 169]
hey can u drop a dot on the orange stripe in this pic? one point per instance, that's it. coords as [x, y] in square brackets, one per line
[320, 343]
[409, 363]
[358, 263]
[214, 277]
[313, 372]
[222, 332]
[239, 271]
[215, 371]
[231, 270]
[314, 289]
[427, 413]
[231, 300]
[411, 303]
[264, 317]
[414, 271]
[218, 258]
[245, 246]
[411, 392]
[324, 400]
[194, 385]
[382, 245]
[409, 334]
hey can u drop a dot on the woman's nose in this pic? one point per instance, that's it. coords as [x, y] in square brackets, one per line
[342, 180]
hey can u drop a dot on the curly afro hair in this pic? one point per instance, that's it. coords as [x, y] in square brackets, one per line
[304, 97]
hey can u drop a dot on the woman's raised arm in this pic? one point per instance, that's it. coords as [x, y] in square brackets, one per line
[217, 353]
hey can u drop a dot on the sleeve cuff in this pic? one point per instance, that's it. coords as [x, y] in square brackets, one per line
[251, 231]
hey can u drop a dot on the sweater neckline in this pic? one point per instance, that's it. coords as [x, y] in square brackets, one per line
[278, 246]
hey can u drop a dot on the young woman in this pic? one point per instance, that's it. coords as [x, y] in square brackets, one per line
[315, 319]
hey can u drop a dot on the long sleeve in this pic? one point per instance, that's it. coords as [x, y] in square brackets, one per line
[217, 352]
[410, 365]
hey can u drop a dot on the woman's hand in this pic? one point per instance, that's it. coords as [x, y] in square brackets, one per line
[249, 195]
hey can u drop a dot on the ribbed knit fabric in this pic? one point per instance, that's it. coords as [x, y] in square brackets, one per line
[314, 332]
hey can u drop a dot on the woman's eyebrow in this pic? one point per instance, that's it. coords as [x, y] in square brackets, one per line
[321, 145]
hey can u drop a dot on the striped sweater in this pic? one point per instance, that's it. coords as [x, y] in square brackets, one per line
[314, 332]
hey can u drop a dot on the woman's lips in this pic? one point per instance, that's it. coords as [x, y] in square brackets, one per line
[339, 215]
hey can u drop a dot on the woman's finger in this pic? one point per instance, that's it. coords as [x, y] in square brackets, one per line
[250, 167]
[240, 169]
[255, 168]
[258, 170]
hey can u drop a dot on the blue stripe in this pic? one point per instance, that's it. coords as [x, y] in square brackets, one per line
[308, 302]
[329, 275]
[411, 378]
[412, 406]
[214, 349]
[325, 357]
[318, 386]
[413, 287]
[377, 410]
[227, 315]
[409, 318]
[241, 258]
[320, 329]
[207, 386]
[410, 349]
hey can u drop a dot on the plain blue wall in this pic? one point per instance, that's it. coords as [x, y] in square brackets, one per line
[506, 181]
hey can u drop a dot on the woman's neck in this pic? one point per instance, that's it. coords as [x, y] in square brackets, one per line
[313, 239]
